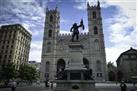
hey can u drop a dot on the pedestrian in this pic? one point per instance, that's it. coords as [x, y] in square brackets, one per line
[134, 87]
[46, 83]
[123, 86]
[13, 86]
[51, 84]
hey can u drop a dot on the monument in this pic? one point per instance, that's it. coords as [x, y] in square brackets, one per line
[75, 77]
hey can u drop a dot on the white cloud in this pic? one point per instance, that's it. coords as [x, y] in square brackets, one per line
[35, 51]
[113, 53]
[122, 27]
[64, 20]
[35, 55]
[31, 28]
[82, 4]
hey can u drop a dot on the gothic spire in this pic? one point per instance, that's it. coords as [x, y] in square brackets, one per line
[98, 4]
[88, 5]
[56, 7]
[47, 8]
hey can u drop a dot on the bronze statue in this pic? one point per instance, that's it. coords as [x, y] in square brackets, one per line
[75, 30]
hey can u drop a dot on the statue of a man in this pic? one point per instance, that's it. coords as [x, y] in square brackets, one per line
[75, 30]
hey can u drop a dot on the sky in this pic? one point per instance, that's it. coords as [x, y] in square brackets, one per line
[119, 21]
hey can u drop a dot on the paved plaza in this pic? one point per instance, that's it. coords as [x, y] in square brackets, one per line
[99, 87]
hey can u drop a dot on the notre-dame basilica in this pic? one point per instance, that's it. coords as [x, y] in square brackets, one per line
[55, 51]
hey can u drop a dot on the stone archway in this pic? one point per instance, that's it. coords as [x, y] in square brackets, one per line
[86, 63]
[60, 65]
[111, 75]
[47, 70]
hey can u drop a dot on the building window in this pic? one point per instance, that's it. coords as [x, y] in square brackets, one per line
[50, 33]
[7, 46]
[94, 15]
[49, 47]
[133, 56]
[98, 65]
[1, 51]
[3, 46]
[99, 74]
[96, 44]
[47, 67]
[9, 56]
[95, 30]
[6, 51]
[51, 18]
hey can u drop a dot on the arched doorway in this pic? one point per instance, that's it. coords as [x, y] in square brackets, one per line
[47, 70]
[111, 75]
[96, 44]
[86, 63]
[120, 76]
[60, 65]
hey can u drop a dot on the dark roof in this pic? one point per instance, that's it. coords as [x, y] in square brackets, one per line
[130, 51]
[10, 25]
[17, 25]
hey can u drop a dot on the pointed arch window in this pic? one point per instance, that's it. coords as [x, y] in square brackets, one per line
[47, 67]
[60, 65]
[98, 65]
[49, 47]
[95, 30]
[94, 15]
[50, 33]
[51, 18]
[96, 44]
[86, 63]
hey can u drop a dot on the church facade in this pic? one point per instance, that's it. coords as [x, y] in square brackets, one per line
[55, 50]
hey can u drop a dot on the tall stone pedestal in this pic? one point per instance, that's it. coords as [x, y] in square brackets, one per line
[75, 77]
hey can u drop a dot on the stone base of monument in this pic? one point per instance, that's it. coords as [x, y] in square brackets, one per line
[75, 85]
[75, 77]
[76, 80]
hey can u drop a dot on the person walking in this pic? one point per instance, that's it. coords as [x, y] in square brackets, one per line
[13, 86]
[51, 85]
[123, 86]
[134, 87]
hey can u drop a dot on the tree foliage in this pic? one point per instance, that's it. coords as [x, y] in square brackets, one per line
[111, 64]
[8, 71]
[112, 71]
[27, 72]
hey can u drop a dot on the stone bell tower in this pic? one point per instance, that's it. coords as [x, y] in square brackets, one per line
[51, 31]
[96, 39]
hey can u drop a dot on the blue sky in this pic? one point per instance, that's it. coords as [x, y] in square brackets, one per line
[119, 21]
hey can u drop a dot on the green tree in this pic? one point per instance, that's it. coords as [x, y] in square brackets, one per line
[27, 72]
[111, 64]
[8, 72]
[112, 71]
